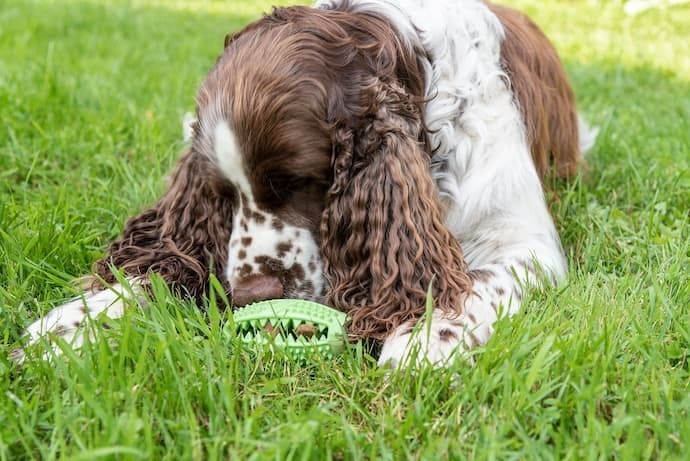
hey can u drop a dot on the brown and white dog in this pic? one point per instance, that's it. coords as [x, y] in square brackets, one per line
[361, 153]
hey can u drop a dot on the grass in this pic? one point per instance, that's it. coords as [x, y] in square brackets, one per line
[92, 93]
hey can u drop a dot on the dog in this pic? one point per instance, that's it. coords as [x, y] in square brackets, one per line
[372, 155]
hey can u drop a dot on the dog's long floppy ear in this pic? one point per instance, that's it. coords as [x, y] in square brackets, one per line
[383, 237]
[182, 237]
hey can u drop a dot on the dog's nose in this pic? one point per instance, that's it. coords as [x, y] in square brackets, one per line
[256, 288]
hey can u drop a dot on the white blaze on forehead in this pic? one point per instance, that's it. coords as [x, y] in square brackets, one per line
[229, 157]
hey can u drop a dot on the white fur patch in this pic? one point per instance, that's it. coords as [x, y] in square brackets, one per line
[587, 135]
[69, 321]
[188, 121]
[229, 157]
[429, 343]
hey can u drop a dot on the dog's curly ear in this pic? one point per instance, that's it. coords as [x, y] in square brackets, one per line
[182, 238]
[383, 237]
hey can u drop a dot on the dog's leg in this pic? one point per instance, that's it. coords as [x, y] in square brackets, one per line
[70, 320]
[497, 290]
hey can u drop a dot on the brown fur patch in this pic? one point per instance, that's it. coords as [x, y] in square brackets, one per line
[283, 248]
[447, 335]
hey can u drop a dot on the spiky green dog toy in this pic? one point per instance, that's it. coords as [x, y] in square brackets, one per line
[301, 328]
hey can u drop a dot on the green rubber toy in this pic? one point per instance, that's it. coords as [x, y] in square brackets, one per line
[301, 328]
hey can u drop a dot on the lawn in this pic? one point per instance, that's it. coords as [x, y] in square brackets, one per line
[91, 97]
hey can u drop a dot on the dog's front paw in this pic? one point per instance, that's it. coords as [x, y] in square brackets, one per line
[436, 342]
[69, 321]
[62, 322]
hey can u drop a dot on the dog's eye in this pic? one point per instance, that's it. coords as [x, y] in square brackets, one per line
[281, 188]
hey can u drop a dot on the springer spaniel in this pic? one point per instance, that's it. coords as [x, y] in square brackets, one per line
[365, 154]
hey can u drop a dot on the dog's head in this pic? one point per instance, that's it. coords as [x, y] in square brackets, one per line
[314, 120]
